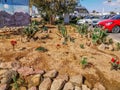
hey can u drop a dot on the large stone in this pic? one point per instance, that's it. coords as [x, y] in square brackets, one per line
[88, 84]
[94, 89]
[6, 65]
[64, 77]
[77, 88]
[22, 88]
[102, 47]
[26, 71]
[32, 88]
[68, 86]
[84, 87]
[111, 48]
[58, 84]
[7, 77]
[76, 80]
[51, 74]
[35, 80]
[2, 72]
[3, 86]
[99, 86]
[46, 84]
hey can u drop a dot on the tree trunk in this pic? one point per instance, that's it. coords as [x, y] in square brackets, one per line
[52, 19]
[66, 18]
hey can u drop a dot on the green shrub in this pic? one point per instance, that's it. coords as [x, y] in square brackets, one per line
[83, 29]
[30, 31]
[84, 62]
[41, 49]
[118, 46]
[110, 41]
[82, 46]
[99, 36]
[63, 31]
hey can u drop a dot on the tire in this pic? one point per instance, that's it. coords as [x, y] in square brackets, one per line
[116, 29]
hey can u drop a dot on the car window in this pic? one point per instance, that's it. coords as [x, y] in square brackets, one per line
[116, 17]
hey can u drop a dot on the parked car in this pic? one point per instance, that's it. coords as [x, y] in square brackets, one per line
[87, 19]
[100, 18]
[111, 24]
[95, 21]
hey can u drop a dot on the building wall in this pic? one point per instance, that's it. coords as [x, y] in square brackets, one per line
[14, 13]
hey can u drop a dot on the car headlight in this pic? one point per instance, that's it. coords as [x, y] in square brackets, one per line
[109, 23]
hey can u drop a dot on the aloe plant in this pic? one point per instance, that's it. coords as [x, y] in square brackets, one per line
[110, 41]
[84, 62]
[63, 31]
[118, 46]
[82, 29]
[99, 36]
[30, 31]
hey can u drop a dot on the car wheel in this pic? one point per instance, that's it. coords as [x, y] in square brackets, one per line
[116, 29]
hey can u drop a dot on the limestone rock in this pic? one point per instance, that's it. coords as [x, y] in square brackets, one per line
[2, 72]
[64, 77]
[68, 86]
[24, 71]
[88, 84]
[35, 80]
[46, 84]
[22, 88]
[3, 86]
[84, 87]
[102, 47]
[32, 88]
[76, 80]
[51, 74]
[94, 89]
[77, 88]
[111, 48]
[58, 84]
[7, 77]
[6, 65]
[99, 86]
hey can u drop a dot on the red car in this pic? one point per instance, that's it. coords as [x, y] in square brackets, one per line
[111, 25]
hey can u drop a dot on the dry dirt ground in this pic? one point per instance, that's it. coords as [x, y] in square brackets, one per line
[64, 58]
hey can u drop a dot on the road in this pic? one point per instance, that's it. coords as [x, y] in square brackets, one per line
[115, 36]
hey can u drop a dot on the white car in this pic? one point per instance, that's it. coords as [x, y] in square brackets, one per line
[81, 21]
[87, 20]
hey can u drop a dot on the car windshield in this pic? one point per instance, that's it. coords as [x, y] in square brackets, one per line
[115, 17]
[106, 17]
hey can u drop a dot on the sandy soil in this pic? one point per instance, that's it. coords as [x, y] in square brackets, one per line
[64, 58]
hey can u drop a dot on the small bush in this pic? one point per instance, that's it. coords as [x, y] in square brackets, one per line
[82, 46]
[99, 36]
[41, 49]
[118, 46]
[84, 62]
[110, 41]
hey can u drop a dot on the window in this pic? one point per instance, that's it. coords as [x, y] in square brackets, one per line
[5, 1]
[116, 17]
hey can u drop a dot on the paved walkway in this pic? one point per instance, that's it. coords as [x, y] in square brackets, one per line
[115, 37]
